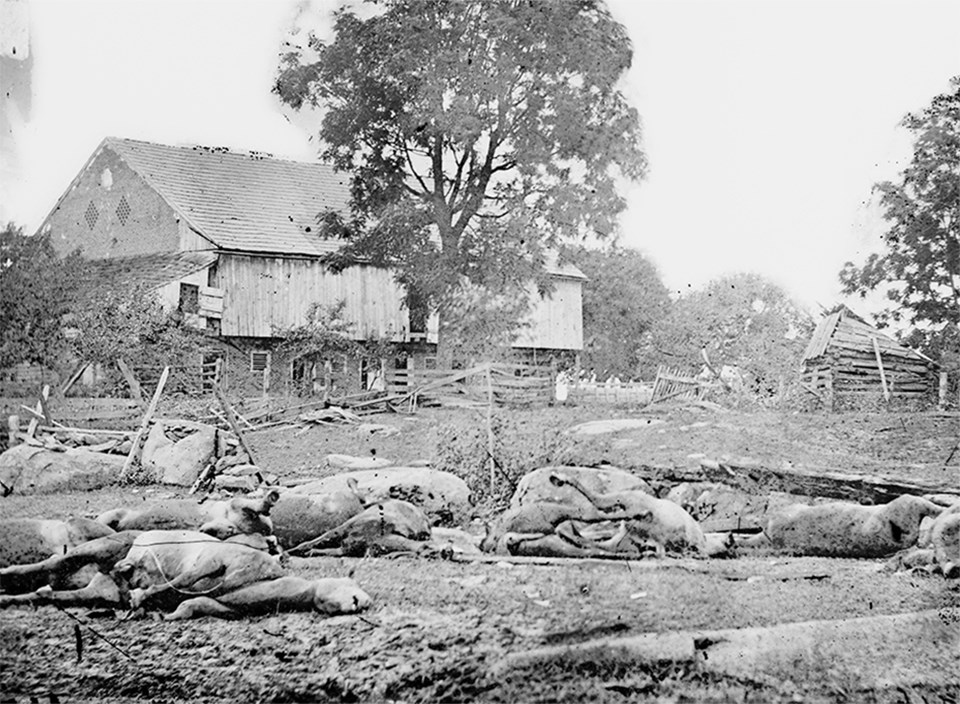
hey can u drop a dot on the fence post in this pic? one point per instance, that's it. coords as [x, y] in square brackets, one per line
[13, 430]
[493, 467]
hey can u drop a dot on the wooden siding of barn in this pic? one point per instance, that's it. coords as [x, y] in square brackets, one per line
[265, 295]
[842, 371]
[556, 318]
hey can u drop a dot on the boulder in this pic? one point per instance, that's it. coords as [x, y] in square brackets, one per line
[227, 482]
[180, 462]
[25, 469]
[444, 497]
[242, 470]
[536, 486]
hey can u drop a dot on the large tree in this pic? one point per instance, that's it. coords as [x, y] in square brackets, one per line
[623, 298]
[919, 269]
[478, 134]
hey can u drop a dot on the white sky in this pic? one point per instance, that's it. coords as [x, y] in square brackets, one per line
[766, 121]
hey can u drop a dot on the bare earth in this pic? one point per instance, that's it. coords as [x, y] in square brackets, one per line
[440, 631]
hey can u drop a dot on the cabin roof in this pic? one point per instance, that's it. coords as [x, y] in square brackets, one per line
[844, 329]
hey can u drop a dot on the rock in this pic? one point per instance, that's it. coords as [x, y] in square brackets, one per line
[445, 498]
[178, 463]
[26, 469]
[231, 460]
[242, 470]
[455, 540]
[536, 486]
[226, 482]
[351, 462]
[156, 441]
[596, 427]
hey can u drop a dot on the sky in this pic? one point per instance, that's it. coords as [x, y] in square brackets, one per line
[766, 122]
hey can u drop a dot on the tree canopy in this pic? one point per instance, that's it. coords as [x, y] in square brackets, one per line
[743, 320]
[919, 269]
[478, 135]
[622, 300]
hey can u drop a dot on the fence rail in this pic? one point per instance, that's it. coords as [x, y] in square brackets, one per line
[506, 383]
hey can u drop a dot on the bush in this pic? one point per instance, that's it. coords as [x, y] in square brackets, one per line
[519, 447]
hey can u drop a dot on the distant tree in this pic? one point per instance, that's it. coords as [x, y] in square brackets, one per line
[623, 299]
[742, 320]
[920, 267]
[479, 134]
[36, 292]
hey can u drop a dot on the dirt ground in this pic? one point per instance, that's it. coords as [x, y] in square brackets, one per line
[438, 629]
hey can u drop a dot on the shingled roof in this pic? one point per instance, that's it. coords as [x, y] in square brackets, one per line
[252, 202]
[246, 202]
[150, 270]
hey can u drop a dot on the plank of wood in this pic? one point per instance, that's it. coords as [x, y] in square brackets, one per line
[74, 377]
[834, 485]
[628, 564]
[134, 453]
[40, 411]
[90, 431]
[883, 376]
[131, 379]
[232, 421]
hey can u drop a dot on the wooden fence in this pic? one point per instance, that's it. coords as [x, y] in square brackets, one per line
[630, 392]
[674, 383]
[501, 383]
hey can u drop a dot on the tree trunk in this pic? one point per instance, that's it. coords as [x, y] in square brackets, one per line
[444, 347]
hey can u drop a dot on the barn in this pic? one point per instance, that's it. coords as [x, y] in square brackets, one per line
[851, 365]
[230, 238]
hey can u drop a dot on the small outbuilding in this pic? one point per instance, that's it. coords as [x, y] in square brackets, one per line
[851, 365]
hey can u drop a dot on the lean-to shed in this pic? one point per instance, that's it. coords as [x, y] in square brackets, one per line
[850, 364]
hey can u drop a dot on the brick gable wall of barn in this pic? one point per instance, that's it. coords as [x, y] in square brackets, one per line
[110, 211]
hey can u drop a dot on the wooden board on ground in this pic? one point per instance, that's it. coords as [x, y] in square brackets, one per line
[834, 485]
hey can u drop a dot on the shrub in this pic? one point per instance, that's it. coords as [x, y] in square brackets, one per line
[519, 447]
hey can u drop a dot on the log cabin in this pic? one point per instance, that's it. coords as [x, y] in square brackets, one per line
[230, 239]
[851, 365]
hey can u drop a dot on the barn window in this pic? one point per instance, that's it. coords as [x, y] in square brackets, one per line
[189, 298]
[91, 216]
[123, 210]
[417, 311]
[259, 360]
[212, 275]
